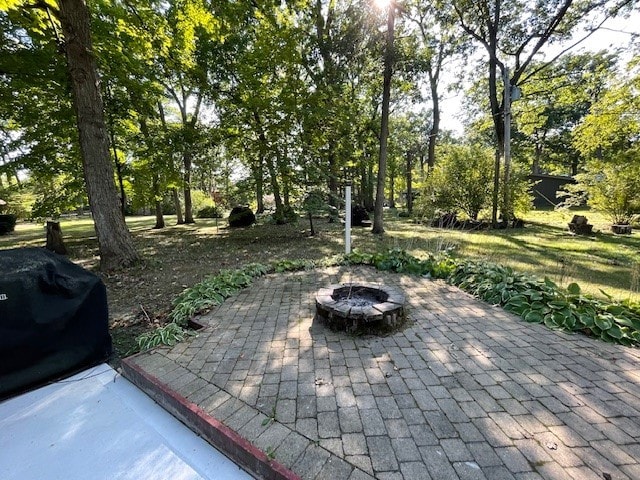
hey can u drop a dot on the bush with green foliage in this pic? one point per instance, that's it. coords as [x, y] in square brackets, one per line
[209, 212]
[611, 187]
[170, 334]
[521, 191]
[542, 301]
[200, 200]
[461, 181]
[439, 265]
[213, 291]
[536, 301]
[19, 201]
[284, 215]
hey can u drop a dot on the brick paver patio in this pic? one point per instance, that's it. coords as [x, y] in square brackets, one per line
[466, 390]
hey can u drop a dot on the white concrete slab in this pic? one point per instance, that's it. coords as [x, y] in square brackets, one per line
[97, 425]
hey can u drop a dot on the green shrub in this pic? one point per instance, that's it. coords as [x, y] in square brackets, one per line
[612, 188]
[284, 215]
[542, 301]
[460, 182]
[439, 265]
[209, 212]
[534, 300]
[170, 334]
[212, 291]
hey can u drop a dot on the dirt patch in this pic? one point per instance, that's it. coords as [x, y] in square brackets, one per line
[140, 298]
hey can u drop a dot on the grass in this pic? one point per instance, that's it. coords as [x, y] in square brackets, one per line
[181, 255]
[603, 261]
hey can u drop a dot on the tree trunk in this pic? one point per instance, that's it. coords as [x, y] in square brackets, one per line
[178, 207]
[55, 242]
[188, 208]
[498, 122]
[333, 180]
[535, 168]
[114, 147]
[392, 190]
[435, 127]
[313, 232]
[378, 225]
[273, 176]
[158, 202]
[286, 187]
[369, 201]
[155, 178]
[409, 183]
[114, 240]
[259, 179]
[275, 185]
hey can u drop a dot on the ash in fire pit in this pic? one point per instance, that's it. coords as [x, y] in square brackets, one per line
[354, 307]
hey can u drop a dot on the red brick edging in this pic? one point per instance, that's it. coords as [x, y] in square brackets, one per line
[215, 432]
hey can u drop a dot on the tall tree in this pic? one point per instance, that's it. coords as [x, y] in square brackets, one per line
[116, 244]
[378, 221]
[512, 38]
[41, 20]
[554, 102]
[440, 43]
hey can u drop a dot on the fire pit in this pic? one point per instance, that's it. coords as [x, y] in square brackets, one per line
[356, 306]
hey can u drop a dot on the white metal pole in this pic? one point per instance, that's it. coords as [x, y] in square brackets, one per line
[347, 219]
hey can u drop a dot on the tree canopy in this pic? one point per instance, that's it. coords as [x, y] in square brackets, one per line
[262, 102]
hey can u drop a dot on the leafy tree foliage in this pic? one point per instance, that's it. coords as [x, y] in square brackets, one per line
[460, 181]
[510, 37]
[252, 101]
[609, 137]
[555, 101]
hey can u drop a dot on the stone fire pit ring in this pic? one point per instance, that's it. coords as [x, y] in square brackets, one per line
[354, 307]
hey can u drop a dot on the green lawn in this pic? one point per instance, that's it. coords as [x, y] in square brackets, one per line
[544, 248]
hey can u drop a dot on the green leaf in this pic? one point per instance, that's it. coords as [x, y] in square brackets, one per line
[615, 309]
[570, 321]
[534, 317]
[603, 322]
[628, 322]
[574, 289]
[539, 306]
[609, 297]
[557, 304]
[549, 283]
[615, 331]
[550, 322]
[587, 320]
[559, 318]
[533, 295]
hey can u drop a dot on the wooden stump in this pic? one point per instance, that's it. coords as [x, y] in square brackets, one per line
[580, 226]
[55, 243]
[621, 229]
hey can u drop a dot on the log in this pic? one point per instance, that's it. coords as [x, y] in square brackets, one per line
[55, 242]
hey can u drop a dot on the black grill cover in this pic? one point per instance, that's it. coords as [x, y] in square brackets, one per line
[53, 318]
